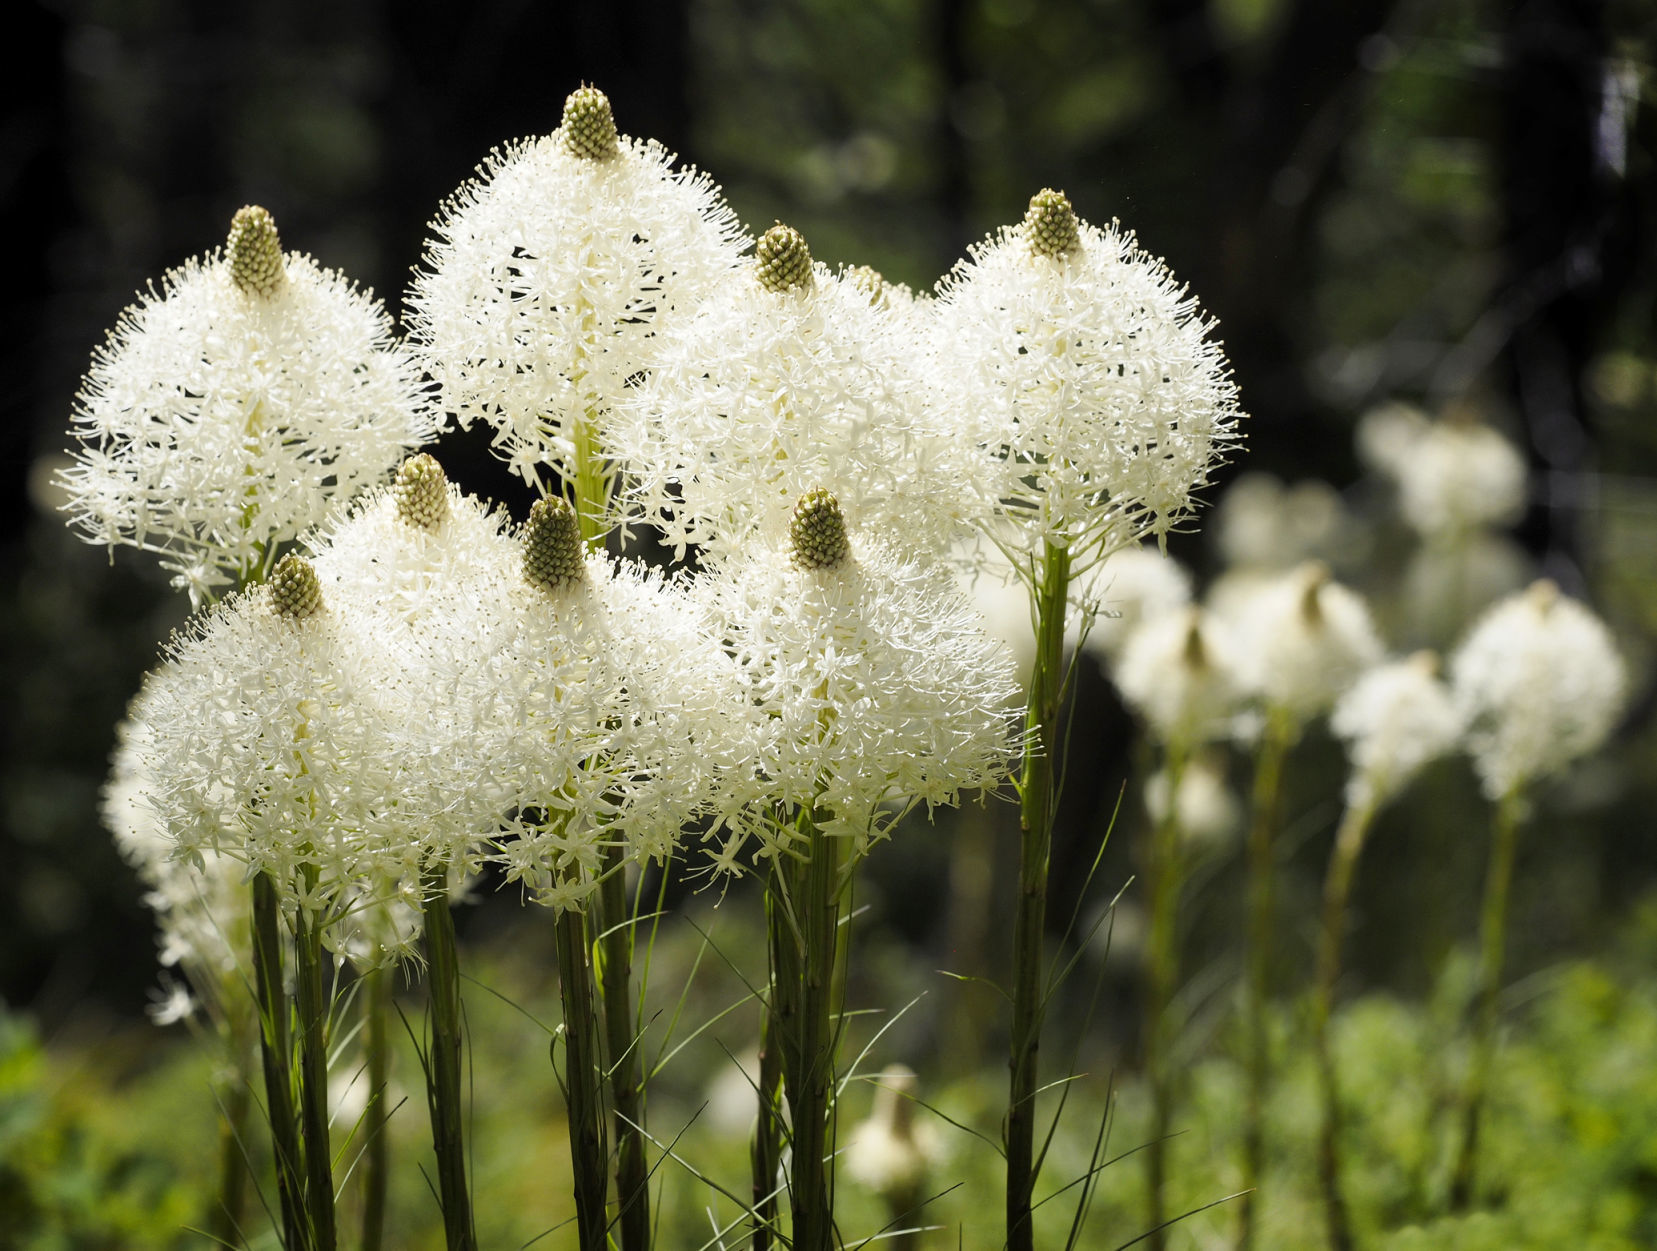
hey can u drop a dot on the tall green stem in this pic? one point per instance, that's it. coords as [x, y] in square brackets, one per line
[583, 1078]
[1268, 780]
[224, 1224]
[616, 922]
[1162, 958]
[1038, 795]
[444, 1092]
[802, 992]
[376, 1144]
[1492, 943]
[765, 1152]
[313, 1085]
[276, 1052]
[1337, 890]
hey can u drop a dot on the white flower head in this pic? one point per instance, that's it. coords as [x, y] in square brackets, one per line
[623, 718]
[1208, 813]
[892, 1151]
[875, 675]
[1301, 640]
[1453, 475]
[1394, 719]
[552, 275]
[263, 743]
[227, 411]
[1180, 671]
[1135, 585]
[1087, 379]
[1263, 524]
[201, 909]
[791, 377]
[1539, 683]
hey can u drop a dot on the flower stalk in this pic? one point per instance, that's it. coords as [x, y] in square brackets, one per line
[277, 1055]
[1038, 795]
[377, 1144]
[1492, 944]
[1277, 737]
[443, 1062]
[1162, 960]
[1337, 890]
[313, 1008]
[804, 950]
[615, 954]
[583, 1078]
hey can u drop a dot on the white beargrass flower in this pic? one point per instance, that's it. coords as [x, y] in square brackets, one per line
[623, 718]
[1180, 671]
[790, 377]
[1208, 812]
[1453, 475]
[1135, 585]
[1261, 523]
[880, 684]
[1539, 683]
[1301, 640]
[1394, 719]
[1087, 379]
[227, 411]
[262, 743]
[552, 276]
[417, 567]
[202, 912]
[891, 1153]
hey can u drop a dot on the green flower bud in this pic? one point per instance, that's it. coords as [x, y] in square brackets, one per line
[589, 128]
[295, 592]
[783, 262]
[1050, 224]
[553, 553]
[818, 531]
[421, 490]
[255, 253]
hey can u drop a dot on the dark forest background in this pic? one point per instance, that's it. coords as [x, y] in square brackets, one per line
[1440, 200]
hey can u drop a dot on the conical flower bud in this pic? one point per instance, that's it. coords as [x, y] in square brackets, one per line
[553, 556]
[818, 531]
[589, 128]
[255, 253]
[1316, 576]
[783, 260]
[870, 281]
[1050, 224]
[421, 490]
[295, 591]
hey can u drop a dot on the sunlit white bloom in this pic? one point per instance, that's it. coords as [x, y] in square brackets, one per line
[262, 743]
[1263, 524]
[1135, 585]
[1208, 810]
[202, 911]
[892, 1151]
[1454, 474]
[1301, 640]
[1181, 672]
[1539, 683]
[553, 274]
[1394, 719]
[771, 390]
[1085, 375]
[171, 1004]
[876, 674]
[219, 422]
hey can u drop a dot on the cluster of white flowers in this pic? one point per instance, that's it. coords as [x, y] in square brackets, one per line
[1394, 719]
[1180, 672]
[878, 676]
[788, 378]
[553, 276]
[228, 411]
[1453, 475]
[1087, 379]
[1539, 683]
